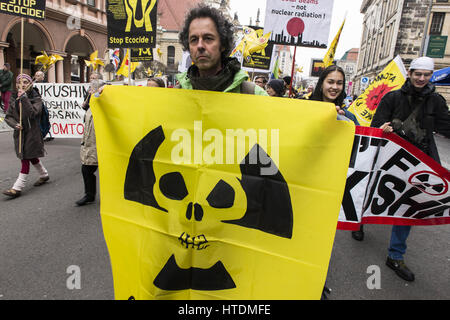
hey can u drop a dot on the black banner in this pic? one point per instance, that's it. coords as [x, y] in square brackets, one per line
[34, 9]
[131, 24]
[317, 67]
[141, 54]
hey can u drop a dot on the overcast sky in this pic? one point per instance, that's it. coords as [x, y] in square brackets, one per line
[350, 38]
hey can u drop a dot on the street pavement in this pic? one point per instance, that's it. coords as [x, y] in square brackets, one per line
[43, 233]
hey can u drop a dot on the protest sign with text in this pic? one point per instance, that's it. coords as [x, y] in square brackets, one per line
[390, 181]
[131, 24]
[303, 23]
[64, 102]
[391, 78]
[34, 9]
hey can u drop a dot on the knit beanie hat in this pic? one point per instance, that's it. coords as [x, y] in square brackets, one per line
[24, 76]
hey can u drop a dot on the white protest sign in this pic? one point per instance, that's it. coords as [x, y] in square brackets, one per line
[64, 101]
[303, 23]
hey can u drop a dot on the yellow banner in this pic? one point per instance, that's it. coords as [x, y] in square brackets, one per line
[391, 78]
[208, 195]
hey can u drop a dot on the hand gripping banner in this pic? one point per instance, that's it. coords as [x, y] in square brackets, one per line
[208, 195]
[390, 181]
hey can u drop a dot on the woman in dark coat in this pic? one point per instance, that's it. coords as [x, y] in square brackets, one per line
[32, 146]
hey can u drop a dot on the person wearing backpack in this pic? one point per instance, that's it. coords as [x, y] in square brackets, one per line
[413, 112]
[31, 147]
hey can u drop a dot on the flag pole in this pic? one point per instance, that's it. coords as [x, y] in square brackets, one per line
[129, 66]
[292, 72]
[21, 71]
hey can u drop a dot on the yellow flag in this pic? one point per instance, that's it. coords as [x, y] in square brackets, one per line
[43, 59]
[329, 56]
[123, 70]
[391, 78]
[47, 61]
[220, 196]
[252, 41]
[94, 61]
[159, 52]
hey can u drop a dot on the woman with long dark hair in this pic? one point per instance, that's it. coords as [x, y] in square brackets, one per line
[331, 88]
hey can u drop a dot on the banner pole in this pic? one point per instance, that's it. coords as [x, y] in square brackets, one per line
[129, 66]
[21, 71]
[243, 50]
[292, 72]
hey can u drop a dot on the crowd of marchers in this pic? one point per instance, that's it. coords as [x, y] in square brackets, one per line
[414, 112]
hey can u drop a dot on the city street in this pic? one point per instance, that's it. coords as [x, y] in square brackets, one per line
[43, 233]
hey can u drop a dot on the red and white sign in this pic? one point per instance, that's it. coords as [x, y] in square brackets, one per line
[390, 181]
[299, 22]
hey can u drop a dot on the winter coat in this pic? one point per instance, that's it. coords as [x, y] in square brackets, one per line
[88, 151]
[32, 141]
[6, 80]
[433, 115]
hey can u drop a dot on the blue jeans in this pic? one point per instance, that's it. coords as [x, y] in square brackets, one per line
[397, 247]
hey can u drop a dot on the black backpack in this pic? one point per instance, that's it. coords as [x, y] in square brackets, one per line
[44, 122]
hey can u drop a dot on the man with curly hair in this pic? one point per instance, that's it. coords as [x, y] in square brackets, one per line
[208, 36]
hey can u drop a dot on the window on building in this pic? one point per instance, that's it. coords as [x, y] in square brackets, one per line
[437, 22]
[91, 3]
[383, 13]
[170, 55]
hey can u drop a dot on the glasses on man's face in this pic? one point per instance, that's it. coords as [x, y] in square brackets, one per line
[259, 82]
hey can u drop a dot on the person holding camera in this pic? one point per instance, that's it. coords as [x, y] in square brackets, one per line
[413, 112]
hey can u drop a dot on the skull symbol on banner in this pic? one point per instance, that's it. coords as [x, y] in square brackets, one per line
[249, 201]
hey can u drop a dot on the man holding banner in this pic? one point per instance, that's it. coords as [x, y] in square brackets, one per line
[414, 112]
[207, 228]
[209, 39]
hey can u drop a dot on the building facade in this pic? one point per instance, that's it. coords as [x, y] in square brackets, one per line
[399, 27]
[439, 25]
[349, 63]
[286, 58]
[72, 29]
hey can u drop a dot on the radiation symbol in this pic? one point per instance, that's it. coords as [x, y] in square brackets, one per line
[138, 13]
[375, 95]
[151, 183]
[429, 183]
